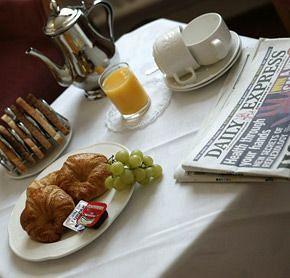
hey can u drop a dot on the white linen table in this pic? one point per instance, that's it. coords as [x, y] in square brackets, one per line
[168, 229]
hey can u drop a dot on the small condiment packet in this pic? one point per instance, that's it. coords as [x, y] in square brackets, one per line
[86, 214]
[71, 221]
[93, 214]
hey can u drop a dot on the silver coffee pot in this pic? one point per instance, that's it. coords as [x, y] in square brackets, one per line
[86, 51]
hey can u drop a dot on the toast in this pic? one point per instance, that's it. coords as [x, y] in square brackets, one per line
[40, 119]
[32, 129]
[12, 157]
[48, 113]
[31, 145]
[16, 145]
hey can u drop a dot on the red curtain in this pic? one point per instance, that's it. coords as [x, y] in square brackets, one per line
[21, 24]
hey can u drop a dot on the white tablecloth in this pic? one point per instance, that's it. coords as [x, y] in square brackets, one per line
[169, 229]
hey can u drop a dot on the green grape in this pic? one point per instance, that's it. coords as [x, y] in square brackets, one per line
[149, 172]
[109, 182]
[148, 161]
[109, 168]
[145, 181]
[139, 174]
[156, 171]
[117, 168]
[122, 156]
[137, 152]
[135, 161]
[118, 184]
[127, 177]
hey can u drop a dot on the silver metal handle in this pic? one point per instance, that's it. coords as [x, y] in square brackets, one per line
[110, 17]
[106, 44]
[54, 8]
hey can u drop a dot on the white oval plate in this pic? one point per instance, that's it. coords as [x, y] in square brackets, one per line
[30, 250]
[41, 164]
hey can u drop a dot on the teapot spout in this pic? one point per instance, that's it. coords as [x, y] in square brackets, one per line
[61, 74]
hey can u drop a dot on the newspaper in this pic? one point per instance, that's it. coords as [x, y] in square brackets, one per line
[202, 177]
[247, 136]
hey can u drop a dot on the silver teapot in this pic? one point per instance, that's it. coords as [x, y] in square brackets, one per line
[86, 52]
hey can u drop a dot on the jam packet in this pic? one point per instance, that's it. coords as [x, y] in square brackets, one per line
[93, 215]
[86, 215]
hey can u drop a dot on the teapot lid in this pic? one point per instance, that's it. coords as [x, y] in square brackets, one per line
[61, 20]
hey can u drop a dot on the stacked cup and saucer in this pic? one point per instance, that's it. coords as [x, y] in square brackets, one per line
[195, 56]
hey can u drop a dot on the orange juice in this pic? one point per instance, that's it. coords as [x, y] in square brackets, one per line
[125, 91]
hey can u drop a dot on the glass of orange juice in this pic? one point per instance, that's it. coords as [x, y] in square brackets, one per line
[125, 91]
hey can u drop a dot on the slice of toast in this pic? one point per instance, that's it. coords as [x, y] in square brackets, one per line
[25, 145]
[16, 145]
[12, 157]
[36, 115]
[32, 129]
[31, 145]
[48, 113]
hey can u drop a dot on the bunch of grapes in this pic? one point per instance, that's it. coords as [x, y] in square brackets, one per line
[128, 168]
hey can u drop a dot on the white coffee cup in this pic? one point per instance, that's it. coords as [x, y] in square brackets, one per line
[207, 38]
[173, 57]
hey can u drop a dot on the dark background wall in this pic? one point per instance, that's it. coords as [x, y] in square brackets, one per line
[255, 18]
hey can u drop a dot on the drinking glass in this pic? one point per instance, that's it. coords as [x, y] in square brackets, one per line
[125, 91]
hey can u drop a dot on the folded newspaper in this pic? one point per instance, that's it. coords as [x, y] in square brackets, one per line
[246, 138]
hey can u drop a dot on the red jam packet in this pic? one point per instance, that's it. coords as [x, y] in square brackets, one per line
[93, 214]
[86, 215]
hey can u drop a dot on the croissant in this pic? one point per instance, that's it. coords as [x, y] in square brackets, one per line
[46, 208]
[50, 179]
[83, 176]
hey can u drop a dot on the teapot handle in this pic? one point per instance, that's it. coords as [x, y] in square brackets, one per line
[106, 42]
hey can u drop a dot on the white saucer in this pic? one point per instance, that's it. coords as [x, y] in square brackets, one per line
[215, 77]
[207, 74]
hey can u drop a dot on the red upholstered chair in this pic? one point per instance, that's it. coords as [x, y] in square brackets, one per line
[21, 23]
